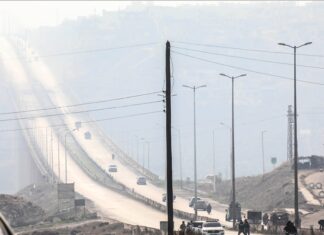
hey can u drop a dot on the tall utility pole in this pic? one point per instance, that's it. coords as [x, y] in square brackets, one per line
[262, 143]
[65, 157]
[52, 156]
[168, 139]
[290, 134]
[295, 132]
[194, 88]
[148, 155]
[47, 158]
[233, 149]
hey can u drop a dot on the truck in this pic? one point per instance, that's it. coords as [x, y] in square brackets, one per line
[254, 217]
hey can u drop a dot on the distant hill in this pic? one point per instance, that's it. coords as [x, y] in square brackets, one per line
[274, 190]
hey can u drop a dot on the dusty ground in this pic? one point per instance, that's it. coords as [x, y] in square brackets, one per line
[98, 227]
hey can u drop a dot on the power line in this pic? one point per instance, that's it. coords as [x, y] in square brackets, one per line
[82, 111]
[85, 51]
[248, 58]
[97, 120]
[248, 70]
[81, 104]
[246, 49]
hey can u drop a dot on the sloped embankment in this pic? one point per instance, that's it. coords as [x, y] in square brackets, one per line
[20, 212]
[274, 190]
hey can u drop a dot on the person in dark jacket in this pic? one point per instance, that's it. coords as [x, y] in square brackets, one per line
[241, 228]
[209, 208]
[290, 228]
[182, 228]
[321, 223]
[246, 227]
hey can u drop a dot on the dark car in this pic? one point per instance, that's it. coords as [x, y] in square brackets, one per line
[141, 180]
[112, 168]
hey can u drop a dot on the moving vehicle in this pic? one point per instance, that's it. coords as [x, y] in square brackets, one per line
[192, 201]
[254, 217]
[141, 180]
[201, 205]
[212, 228]
[164, 197]
[112, 168]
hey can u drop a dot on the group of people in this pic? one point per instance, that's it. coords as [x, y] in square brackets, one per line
[244, 227]
[186, 229]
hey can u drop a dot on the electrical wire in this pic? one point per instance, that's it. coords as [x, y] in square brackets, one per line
[246, 49]
[82, 111]
[96, 120]
[248, 58]
[81, 104]
[66, 53]
[248, 70]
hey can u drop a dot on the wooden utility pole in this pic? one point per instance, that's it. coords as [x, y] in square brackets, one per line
[168, 140]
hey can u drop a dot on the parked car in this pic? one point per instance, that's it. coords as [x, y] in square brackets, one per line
[164, 197]
[112, 168]
[212, 228]
[192, 201]
[141, 180]
[201, 205]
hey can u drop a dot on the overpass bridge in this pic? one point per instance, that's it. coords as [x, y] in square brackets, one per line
[118, 196]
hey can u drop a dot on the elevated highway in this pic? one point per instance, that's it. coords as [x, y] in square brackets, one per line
[112, 203]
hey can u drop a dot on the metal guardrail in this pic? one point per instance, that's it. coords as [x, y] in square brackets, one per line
[122, 156]
[105, 179]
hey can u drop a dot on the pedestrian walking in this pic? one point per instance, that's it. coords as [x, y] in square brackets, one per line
[241, 228]
[182, 228]
[209, 208]
[321, 224]
[265, 218]
[290, 228]
[246, 227]
[189, 229]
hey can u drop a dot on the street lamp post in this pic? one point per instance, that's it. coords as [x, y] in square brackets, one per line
[148, 155]
[262, 145]
[230, 135]
[194, 88]
[233, 147]
[68, 132]
[295, 131]
[214, 170]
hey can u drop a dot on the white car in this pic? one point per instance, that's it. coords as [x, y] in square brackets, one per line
[212, 228]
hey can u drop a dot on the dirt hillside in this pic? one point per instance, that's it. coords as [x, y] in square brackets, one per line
[274, 190]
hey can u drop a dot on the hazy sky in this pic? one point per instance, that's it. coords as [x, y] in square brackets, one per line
[32, 14]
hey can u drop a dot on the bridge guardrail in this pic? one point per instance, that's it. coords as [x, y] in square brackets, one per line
[123, 156]
[104, 178]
